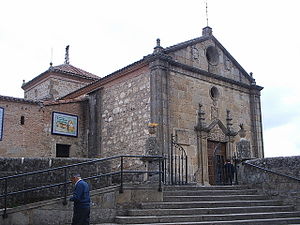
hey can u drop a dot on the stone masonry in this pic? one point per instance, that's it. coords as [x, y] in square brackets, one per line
[194, 90]
[125, 115]
[34, 138]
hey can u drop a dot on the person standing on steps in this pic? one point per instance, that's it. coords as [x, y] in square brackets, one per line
[229, 172]
[82, 201]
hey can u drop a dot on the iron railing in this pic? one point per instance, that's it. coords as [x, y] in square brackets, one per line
[175, 165]
[64, 171]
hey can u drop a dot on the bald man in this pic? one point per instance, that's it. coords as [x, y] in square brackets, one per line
[81, 199]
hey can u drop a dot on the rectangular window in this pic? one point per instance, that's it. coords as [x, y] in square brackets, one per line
[62, 150]
[22, 120]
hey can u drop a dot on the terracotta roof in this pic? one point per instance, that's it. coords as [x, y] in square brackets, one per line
[13, 99]
[68, 68]
[65, 69]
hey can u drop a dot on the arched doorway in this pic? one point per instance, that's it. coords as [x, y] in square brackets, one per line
[216, 153]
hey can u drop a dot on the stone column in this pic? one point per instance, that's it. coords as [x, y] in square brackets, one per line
[257, 137]
[159, 88]
[151, 149]
[201, 175]
[205, 160]
[94, 124]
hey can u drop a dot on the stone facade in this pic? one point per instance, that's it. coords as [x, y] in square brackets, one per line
[195, 91]
[185, 96]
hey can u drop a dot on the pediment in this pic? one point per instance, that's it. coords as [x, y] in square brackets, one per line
[217, 123]
[217, 131]
[208, 54]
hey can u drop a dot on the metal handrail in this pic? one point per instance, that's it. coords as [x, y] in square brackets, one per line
[272, 171]
[78, 164]
[66, 181]
[177, 165]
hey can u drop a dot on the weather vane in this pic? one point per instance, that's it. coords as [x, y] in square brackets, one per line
[206, 13]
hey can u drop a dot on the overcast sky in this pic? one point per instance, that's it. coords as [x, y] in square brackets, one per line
[104, 36]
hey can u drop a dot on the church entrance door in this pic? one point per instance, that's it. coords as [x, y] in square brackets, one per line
[216, 159]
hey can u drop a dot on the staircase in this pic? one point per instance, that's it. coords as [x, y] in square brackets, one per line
[211, 205]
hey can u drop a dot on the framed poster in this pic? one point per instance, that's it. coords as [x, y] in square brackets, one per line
[1, 122]
[64, 124]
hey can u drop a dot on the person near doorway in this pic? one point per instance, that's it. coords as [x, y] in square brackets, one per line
[228, 172]
[81, 199]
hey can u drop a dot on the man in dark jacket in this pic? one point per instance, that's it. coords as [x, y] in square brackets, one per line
[229, 172]
[81, 199]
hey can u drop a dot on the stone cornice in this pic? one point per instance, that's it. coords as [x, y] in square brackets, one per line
[99, 83]
[212, 75]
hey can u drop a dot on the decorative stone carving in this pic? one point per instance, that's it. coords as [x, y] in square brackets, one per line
[243, 147]
[152, 146]
[227, 63]
[214, 113]
[195, 53]
[216, 134]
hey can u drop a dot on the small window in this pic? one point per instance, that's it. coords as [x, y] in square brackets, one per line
[214, 93]
[62, 150]
[22, 120]
[212, 55]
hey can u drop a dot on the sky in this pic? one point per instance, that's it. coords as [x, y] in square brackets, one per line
[104, 36]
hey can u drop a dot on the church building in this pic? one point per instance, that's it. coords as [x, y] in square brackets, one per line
[196, 93]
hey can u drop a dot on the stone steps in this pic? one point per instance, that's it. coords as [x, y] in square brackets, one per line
[209, 192]
[213, 198]
[219, 210]
[205, 217]
[273, 221]
[206, 204]
[211, 205]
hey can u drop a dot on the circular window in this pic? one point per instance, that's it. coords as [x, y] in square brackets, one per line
[212, 55]
[214, 93]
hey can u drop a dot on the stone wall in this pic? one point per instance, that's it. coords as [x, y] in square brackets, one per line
[196, 56]
[40, 91]
[12, 166]
[105, 204]
[54, 87]
[187, 91]
[34, 138]
[125, 115]
[273, 184]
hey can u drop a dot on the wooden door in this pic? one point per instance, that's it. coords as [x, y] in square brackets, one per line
[216, 152]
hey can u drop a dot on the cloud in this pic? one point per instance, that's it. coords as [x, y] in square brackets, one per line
[282, 140]
[280, 105]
